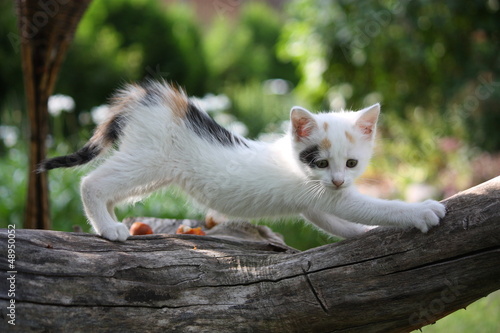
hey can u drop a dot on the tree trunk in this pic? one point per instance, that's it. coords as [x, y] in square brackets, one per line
[387, 280]
[46, 30]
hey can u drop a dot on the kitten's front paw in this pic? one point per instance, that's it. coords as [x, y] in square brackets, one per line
[428, 215]
[115, 232]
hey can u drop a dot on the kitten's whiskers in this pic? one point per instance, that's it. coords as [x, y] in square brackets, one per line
[315, 189]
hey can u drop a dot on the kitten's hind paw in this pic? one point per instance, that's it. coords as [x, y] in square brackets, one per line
[429, 214]
[115, 232]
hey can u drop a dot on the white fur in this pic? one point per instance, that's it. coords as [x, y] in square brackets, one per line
[262, 180]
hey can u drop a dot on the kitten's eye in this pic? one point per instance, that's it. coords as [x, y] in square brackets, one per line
[351, 163]
[321, 164]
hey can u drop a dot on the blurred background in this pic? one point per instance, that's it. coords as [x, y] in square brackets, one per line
[433, 65]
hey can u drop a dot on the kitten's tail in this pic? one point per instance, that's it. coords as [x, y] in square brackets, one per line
[108, 133]
[105, 135]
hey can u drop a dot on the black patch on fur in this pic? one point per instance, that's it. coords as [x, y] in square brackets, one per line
[114, 130]
[205, 127]
[84, 155]
[309, 156]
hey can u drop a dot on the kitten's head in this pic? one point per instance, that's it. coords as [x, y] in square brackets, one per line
[334, 147]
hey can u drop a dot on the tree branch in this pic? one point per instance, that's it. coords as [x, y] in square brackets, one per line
[45, 30]
[388, 280]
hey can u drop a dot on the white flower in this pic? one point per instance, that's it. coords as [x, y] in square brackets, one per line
[238, 128]
[213, 103]
[59, 103]
[9, 135]
[99, 114]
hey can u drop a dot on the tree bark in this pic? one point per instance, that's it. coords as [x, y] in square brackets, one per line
[46, 29]
[387, 280]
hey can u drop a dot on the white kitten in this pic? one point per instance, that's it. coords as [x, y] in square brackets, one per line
[162, 138]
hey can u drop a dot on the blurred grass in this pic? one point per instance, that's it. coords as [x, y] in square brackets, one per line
[299, 234]
[13, 176]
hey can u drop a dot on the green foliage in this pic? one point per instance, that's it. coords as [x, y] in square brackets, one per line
[11, 83]
[259, 108]
[243, 53]
[119, 41]
[437, 55]
[412, 152]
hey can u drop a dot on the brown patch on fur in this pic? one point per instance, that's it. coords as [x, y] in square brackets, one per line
[349, 137]
[126, 97]
[325, 126]
[178, 100]
[325, 144]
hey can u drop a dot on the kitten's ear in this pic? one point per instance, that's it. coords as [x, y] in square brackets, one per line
[303, 122]
[367, 120]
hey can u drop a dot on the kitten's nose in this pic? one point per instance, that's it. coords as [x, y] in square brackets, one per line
[338, 183]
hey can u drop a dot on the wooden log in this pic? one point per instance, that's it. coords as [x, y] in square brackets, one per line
[387, 280]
